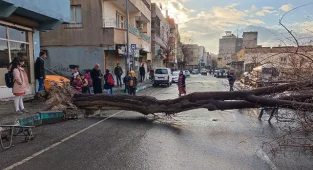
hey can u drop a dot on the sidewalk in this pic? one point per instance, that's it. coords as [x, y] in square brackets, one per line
[8, 115]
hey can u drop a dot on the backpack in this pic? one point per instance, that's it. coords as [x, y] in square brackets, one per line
[9, 79]
[111, 80]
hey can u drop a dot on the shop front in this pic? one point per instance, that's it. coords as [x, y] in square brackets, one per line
[15, 41]
[20, 24]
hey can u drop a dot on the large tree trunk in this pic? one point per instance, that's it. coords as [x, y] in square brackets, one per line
[208, 100]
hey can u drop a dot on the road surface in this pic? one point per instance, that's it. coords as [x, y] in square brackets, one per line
[198, 139]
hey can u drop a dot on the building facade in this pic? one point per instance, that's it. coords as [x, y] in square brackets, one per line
[97, 34]
[191, 53]
[160, 30]
[20, 25]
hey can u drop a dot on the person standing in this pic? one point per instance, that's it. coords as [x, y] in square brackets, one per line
[142, 72]
[231, 81]
[85, 88]
[96, 77]
[108, 82]
[118, 71]
[132, 83]
[126, 82]
[75, 73]
[88, 78]
[21, 83]
[78, 83]
[40, 73]
[181, 84]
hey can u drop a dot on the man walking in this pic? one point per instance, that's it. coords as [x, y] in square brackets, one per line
[142, 72]
[118, 71]
[40, 73]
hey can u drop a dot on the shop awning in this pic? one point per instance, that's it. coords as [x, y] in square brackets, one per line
[45, 23]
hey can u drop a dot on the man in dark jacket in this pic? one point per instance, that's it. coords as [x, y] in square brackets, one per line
[231, 81]
[126, 82]
[97, 78]
[118, 71]
[142, 72]
[40, 73]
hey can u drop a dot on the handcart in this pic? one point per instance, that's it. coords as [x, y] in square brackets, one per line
[14, 131]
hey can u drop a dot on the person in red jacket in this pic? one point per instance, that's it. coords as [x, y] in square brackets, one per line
[78, 83]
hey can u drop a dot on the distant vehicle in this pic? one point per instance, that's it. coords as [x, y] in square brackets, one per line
[216, 73]
[221, 74]
[175, 76]
[187, 73]
[264, 75]
[204, 72]
[195, 71]
[162, 76]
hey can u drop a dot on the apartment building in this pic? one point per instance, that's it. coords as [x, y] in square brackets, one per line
[97, 34]
[191, 53]
[20, 24]
[160, 31]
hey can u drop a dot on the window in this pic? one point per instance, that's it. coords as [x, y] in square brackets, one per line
[161, 71]
[13, 43]
[120, 21]
[76, 17]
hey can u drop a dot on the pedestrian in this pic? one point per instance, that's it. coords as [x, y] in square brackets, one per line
[142, 72]
[88, 77]
[75, 73]
[132, 83]
[96, 77]
[118, 71]
[21, 83]
[126, 82]
[231, 81]
[78, 83]
[40, 73]
[108, 82]
[181, 84]
[85, 88]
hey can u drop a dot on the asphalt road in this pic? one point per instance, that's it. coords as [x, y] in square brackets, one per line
[197, 139]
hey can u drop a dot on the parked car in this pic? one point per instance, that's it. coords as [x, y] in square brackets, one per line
[163, 76]
[195, 71]
[175, 76]
[187, 73]
[204, 72]
[216, 73]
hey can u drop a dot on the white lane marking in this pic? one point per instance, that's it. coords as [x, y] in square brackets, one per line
[261, 154]
[58, 143]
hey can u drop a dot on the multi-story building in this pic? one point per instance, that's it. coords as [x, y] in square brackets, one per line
[174, 41]
[191, 55]
[20, 24]
[160, 31]
[250, 39]
[202, 57]
[97, 34]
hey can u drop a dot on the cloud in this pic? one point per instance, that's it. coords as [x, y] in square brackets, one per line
[266, 10]
[286, 7]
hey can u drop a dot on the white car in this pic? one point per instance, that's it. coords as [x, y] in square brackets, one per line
[162, 76]
[187, 73]
[175, 76]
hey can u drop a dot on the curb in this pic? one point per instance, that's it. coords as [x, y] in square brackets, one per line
[139, 88]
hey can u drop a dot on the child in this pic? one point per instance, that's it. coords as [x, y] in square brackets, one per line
[78, 83]
[132, 83]
[85, 88]
[108, 82]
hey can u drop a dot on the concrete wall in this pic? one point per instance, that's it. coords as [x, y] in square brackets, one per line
[59, 58]
[58, 9]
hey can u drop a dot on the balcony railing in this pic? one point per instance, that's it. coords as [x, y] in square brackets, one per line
[145, 37]
[147, 4]
[133, 30]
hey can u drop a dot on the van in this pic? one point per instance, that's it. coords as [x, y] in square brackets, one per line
[162, 76]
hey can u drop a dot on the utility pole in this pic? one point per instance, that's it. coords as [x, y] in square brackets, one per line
[127, 64]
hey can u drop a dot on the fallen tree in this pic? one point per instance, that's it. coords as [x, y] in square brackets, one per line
[64, 97]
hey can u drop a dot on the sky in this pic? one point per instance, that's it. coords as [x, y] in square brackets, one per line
[204, 22]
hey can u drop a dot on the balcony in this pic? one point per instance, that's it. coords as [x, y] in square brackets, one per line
[145, 37]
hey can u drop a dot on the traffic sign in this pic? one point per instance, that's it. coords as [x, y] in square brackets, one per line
[133, 46]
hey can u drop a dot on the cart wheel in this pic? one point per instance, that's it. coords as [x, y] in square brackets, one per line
[28, 138]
